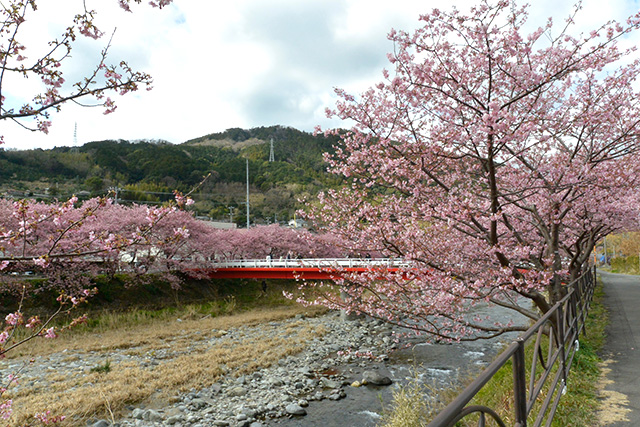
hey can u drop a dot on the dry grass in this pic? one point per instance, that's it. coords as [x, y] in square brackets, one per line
[186, 360]
[615, 405]
[153, 331]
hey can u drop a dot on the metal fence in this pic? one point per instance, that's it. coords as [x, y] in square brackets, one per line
[315, 263]
[539, 382]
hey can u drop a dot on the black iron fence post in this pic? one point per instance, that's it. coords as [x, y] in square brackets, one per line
[562, 340]
[519, 385]
[578, 316]
[562, 324]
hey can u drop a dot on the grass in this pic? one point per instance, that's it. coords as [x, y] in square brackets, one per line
[189, 363]
[577, 407]
[416, 403]
[145, 307]
[102, 368]
[180, 338]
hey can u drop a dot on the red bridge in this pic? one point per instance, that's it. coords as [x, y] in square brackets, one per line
[310, 269]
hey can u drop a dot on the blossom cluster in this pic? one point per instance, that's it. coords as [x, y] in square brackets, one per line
[491, 160]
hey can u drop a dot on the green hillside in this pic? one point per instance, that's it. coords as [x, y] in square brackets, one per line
[148, 171]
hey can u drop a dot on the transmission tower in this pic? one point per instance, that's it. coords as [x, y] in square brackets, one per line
[74, 147]
[272, 157]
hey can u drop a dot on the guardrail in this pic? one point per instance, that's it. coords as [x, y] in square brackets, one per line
[558, 330]
[314, 263]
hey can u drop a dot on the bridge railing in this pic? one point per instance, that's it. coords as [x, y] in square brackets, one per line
[322, 263]
[539, 374]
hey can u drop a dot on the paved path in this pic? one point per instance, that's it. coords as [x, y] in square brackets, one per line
[621, 394]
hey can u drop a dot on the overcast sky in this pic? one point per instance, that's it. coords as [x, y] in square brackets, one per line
[241, 63]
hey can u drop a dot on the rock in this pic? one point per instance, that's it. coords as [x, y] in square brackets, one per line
[275, 382]
[237, 391]
[307, 372]
[327, 383]
[175, 419]
[137, 413]
[173, 412]
[199, 403]
[374, 378]
[101, 423]
[151, 415]
[337, 395]
[295, 409]
[253, 412]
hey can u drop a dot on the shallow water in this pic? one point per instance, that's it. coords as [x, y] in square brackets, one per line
[437, 366]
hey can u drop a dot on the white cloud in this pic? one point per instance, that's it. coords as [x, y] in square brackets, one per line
[247, 63]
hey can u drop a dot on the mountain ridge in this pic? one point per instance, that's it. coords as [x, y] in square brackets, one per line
[148, 171]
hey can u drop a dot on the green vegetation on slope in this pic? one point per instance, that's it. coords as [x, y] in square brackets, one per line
[148, 171]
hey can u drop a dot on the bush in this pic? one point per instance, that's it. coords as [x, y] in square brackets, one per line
[626, 265]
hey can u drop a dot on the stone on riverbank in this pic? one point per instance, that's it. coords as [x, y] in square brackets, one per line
[375, 378]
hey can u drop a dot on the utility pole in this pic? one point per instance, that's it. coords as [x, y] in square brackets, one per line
[115, 190]
[248, 223]
[231, 208]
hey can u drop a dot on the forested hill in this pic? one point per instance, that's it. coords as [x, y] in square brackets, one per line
[148, 171]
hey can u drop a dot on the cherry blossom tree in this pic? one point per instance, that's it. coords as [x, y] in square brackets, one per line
[42, 236]
[16, 61]
[99, 235]
[490, 159]
[67, 242]
[274, 241]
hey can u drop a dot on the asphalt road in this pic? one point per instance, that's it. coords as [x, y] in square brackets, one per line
[621, 394]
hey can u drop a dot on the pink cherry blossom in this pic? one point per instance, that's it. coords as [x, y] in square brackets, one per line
[41, 262]
[13, 319]
[47, 419]
[47, 67]
[490, 160]
[33, 322]
[6, 409]
[50, 333]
